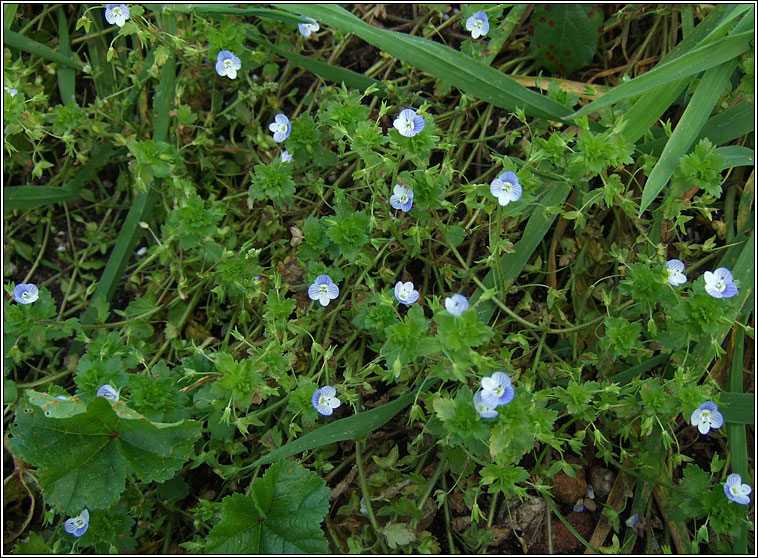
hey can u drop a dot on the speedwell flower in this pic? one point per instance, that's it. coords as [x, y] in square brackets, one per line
[281, 128]
[409, 123]
[25, 293]
[736, 491]
[675, 268]
[497, 389]
[286, 156]
[478, 24]
[707, 416]
[506, 188]
[456, 304]
[307, 28]
[402, 198]
[116, 13]
[719, 284]
[484, 409]
[405, 293]
[107, 392]
[324, 400]
[77, 525]
[12, 91]
[323, 289]
[227, 64]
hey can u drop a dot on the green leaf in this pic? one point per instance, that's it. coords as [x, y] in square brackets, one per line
[565, 36]
[470, 76]
[15, 40]
[398, 534]
[699, 59]
[83, 460]
[283, 516]
[350, 428]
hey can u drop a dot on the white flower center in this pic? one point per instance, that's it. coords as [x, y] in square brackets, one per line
[499, 391]
[719, 286]
[79, 522]
[283, 130]
[705, 416]
[323, 289]
[228, 63]
[478, 24]
[408, 125]
[323, 401]
[116, 11]
[403, 198]
[26, 295]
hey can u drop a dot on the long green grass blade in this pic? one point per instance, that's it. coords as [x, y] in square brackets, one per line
[737, 156]
[735, 429]
[350, 428]
[470, 76]
[739, 407]
[227, 9]
[326, 71]
[699, 59]
[15, 40]
[536, 228]
[706, 95]
[66, 76]
[144, 202]
[29, 197]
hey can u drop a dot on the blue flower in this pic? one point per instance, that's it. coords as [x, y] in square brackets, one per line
[286, 156]
[719, 284]
[25, 293]
[307, 28]
[506, 188]
[402, 198]
[324, 400]
[116, 13]
[456, 304]
[497, 389]
[675, 268]
[405, 294]
[280, 127]
[77, 526]
[484, 409]
[633, 520]
[579, 506]
[409, 123]
[478, 24]
[736, 491]
[707, 416]
[108, 393]
[323, 289]
[227, 64]
[12, 91]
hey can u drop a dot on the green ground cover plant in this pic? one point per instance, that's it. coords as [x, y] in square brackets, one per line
[378, 278]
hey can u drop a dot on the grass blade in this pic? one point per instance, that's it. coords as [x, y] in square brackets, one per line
[228, 9]
[737, 156]
[700, 106]
[470, 76]
[29, 197]
[349, 428]
[702, 58]
[735, 430]
[15, 40]
[66, 76]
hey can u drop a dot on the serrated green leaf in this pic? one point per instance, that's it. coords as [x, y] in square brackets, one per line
[283, 516]
[398, 534]
[83, 460]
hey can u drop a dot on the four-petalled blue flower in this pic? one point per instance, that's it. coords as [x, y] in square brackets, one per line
[402, 198]
[116, 13]
[107, 392]
[497, 389]
[719, 283]
[506, 188]
[286, 156]
[12, 91]
[323, 289]
[77, 525]
[324, 400]
[280, 127]
[478, 24]
[484, 409]
[409, 123]
[405, 293]
[736, 491]
[227, 64]
[707, 416]
[25, 293]
[675, 270]
[307, 28]
[456, 304]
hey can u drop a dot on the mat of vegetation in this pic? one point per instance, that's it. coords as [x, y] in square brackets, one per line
[378, 278]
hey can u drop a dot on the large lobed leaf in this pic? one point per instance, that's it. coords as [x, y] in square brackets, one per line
[565, 36]
[283, 516]
[83, 460]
